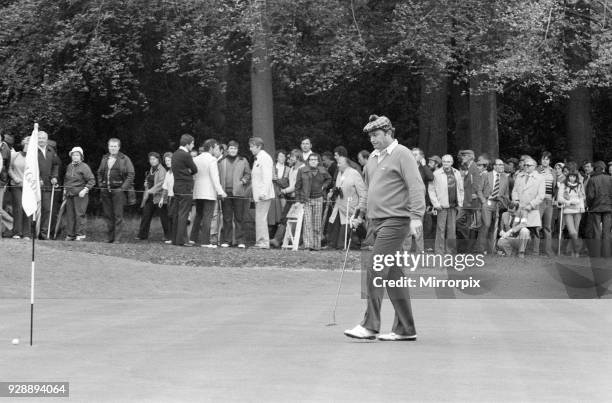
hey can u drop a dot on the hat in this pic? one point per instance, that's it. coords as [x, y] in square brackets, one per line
[77, 150]
[377, 122]
[482, 160]
[435, 158]
[466, 152]
[560, 165]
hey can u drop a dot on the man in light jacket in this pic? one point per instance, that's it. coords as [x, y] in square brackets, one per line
[529, 191]
[263, 190]
[235, 178]
[446, 193]
[206, 188]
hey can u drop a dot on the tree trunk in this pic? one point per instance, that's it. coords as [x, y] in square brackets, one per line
[483, 119]
[461, 118]
[261, 83]
[433, 128]
[579, 127]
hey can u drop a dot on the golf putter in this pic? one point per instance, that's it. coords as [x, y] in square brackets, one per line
[348, 248]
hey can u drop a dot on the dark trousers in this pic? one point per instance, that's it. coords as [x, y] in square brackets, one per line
[465, 233]
[22, 224]
[599, 242]
[76, 218]
[45, 210]
[181, 216]
[112, 207]
[148, 211]
[486, 240]
[205, 210]
[389, 234]
[233, 209]
[172, 208]
[335, 235]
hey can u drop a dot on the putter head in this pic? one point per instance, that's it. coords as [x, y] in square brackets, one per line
[333, 321]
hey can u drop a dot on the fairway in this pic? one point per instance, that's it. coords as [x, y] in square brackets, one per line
[124, 330]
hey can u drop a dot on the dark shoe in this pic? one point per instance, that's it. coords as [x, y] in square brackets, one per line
[110, 241]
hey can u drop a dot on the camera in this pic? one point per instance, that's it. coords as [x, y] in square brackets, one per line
[337, 192]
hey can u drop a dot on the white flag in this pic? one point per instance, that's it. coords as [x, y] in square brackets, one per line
[31, 176]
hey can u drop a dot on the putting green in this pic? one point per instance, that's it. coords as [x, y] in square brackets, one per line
[122, 330]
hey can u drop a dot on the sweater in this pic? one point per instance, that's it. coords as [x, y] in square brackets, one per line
[395, 187]
[183, 168]
[77, 178]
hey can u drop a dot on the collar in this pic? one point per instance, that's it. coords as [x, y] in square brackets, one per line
[184, 149]
[388, 150]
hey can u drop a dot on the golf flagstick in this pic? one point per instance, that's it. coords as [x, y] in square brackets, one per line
[30, 202]
[50, 211]
[333, 321]
[33, 270]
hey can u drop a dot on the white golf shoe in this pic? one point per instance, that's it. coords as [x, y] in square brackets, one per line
[360, 332]
[396, 337]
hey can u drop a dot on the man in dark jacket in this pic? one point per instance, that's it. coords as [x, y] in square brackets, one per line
[465, 221]
[183, 168]
[428, 232]
[599, 203]
[48, 165]
[115, 177]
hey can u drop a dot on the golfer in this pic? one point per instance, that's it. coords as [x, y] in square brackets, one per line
[395, 206]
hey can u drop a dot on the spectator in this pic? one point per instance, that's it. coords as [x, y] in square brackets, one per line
[493, 193]
[263, 189]
[306, 146]
[329, 163]
[311, 182]
[571, 198]
[529, 191]
[341, 151]
[599, 203]
[115, 177]
[235, 178]
[167, 198]
[587, 167]
[22, 224]
[280, 180]
[153, 194]
[78, 182]
[559, 172]
[206, 189]
[350, 190]
[183, 169]
[467, 216]
[610, 168]
[446, 193]
[362, 158]
[295, 163]
[5, 164]
[514, 234]
[48, 166]
[546, 207]
[428, 232]
[434, 162]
